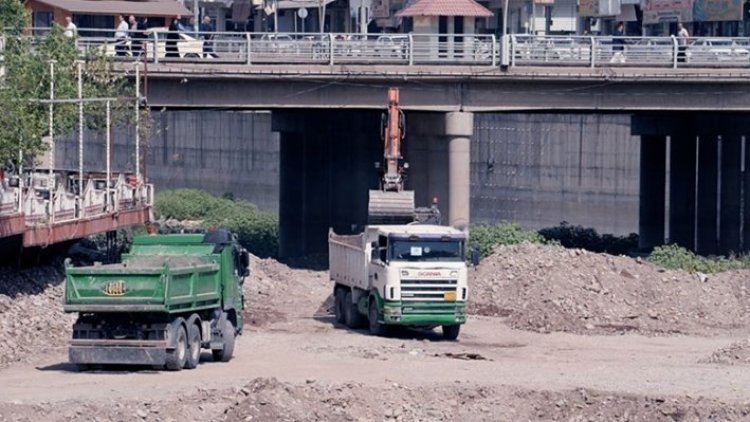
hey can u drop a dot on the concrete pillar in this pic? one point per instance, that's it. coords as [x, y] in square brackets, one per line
[746, 196]
[459, 127]
[682, 191]
[708, 180]
[729, 221]
[652, 191]
[291, 198]
[426, 151]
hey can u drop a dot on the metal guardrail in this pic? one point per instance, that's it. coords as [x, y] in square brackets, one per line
[158, 45]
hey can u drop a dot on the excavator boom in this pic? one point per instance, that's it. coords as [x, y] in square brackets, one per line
[392, 204]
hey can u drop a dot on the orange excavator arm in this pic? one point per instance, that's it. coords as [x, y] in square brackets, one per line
[392, 204]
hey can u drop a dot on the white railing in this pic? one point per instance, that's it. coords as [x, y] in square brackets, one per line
[40, 205]
[158, 45]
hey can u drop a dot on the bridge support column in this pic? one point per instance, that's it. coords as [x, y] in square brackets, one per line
[682, 191]
[459, 127]
[291, 197]
[652, 191]
[729, 222]
[746, 199]
[708, 174]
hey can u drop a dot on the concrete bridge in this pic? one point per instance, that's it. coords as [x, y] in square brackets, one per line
[692, 124]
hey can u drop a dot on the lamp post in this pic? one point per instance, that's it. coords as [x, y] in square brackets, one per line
[505, 18]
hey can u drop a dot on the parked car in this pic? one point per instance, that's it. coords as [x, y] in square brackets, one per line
[717, 49]
[393, 46]
[277, 44]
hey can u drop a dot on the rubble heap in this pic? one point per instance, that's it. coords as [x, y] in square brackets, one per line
[549, 288]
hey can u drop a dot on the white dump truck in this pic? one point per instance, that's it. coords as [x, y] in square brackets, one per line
[409, 275]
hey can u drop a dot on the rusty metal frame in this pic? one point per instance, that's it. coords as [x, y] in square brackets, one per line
[44, 235]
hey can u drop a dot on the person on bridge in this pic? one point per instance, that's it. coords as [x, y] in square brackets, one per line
[172, 37]
[137, 34]
[683, 37]
[206, 33]
[121, 36]
[71, 30]
[618, 44]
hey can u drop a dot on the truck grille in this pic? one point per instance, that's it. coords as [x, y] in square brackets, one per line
[426, 290]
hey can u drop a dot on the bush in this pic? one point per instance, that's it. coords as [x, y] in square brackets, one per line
[257, 231]
[581, 237]
[679, 258]
[487, 236]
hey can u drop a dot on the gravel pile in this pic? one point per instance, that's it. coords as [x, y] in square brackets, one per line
[549, 288]
[31, 317]
[276, 292]
[735, 354]
[266, 399]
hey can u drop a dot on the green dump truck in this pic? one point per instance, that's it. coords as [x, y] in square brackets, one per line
[170, 297]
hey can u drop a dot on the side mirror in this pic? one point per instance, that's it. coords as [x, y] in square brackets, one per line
[244, 263]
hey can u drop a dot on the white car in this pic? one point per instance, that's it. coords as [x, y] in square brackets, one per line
[717, 49]
[392, 46]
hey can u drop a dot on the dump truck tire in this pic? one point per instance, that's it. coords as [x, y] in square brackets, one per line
[450, 332]
[338, 305]
[376, 328]
[176, 357]
[194, 347]
[351, 314]
[226, 352]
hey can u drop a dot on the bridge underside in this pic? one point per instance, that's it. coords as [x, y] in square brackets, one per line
[695, 183]
[327, 168]
[450, 89]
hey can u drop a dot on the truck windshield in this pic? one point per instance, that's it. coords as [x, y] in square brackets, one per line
[426, 250]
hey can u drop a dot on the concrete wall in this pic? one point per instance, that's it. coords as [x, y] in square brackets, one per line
[217, 151]
[541, 169]
[533, 169]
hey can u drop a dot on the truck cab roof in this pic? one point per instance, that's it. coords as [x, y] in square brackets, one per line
[420, 230]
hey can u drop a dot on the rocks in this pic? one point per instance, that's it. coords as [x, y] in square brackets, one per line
[735, 354]
[549, 288]
[31, 315]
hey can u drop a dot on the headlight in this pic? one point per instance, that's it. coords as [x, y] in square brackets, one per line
[454, 274]
[404, 273]
[392, 310]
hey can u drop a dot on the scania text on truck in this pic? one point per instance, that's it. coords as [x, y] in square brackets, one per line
[408, 275]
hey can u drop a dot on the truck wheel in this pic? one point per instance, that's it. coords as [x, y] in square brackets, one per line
[376, 328]
[450, 332]
[351, 314]
[177, 356]
[338, 305]
[194, 347]
[226, 352]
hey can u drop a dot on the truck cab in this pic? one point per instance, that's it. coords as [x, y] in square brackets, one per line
[409, 275]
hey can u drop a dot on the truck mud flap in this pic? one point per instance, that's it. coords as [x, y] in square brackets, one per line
[117, 355]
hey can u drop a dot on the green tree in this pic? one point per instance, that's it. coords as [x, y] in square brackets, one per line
[26, 76]
[12, 16]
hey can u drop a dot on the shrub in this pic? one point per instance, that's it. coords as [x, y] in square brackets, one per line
[487, 236]
[256, 230]
[677, 257]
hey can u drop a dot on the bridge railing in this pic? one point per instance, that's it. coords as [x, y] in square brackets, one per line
[517, 50]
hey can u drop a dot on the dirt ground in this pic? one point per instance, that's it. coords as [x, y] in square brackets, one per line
[554, 335]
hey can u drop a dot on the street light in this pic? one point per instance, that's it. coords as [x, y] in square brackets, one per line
[505, 18]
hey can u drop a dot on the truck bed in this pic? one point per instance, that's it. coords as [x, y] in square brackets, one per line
[347, 259]
[154, 283]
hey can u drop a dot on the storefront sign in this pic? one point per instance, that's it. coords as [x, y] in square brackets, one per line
[655, 11]
[595, 8]
[381, 9]
[717, 10]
